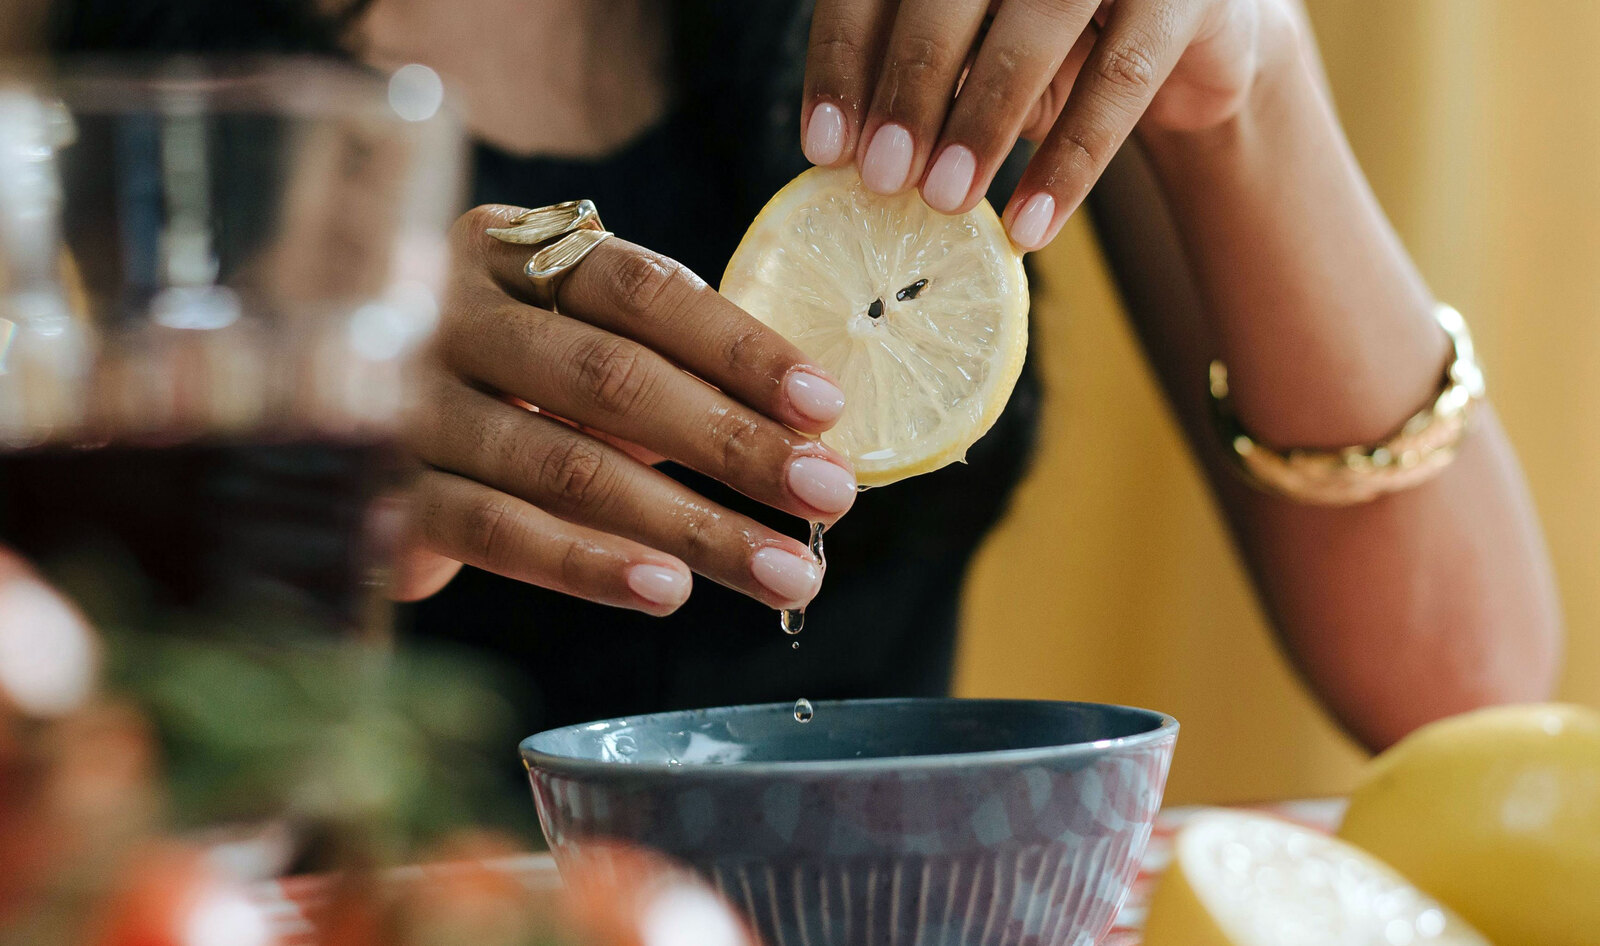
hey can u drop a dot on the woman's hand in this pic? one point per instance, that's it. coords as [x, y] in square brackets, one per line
[882, 81]
[562, 497]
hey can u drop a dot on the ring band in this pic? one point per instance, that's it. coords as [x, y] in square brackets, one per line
[564, 234]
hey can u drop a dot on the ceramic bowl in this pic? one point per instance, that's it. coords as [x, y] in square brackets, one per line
[881, 822]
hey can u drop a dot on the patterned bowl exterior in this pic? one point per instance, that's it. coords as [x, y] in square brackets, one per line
[1026, 847]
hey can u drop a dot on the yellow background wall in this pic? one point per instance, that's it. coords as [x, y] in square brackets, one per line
[1478, 124]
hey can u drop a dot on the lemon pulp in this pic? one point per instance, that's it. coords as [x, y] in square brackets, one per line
[1241, 879]
[921, 317]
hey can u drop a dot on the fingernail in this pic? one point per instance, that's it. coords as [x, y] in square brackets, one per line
[817, 398]
[888, 161]
[1033, 221]
[787, 575]
[825, 134]
[950, 179]
[659, 585]
[821, 484]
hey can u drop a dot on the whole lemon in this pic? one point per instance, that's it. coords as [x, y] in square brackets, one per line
[1497, 814]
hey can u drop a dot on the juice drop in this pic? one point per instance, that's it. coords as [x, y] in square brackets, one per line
[793, 620]
[802, 710]
[795, 645]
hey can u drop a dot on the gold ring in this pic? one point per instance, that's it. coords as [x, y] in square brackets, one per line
[564, 234]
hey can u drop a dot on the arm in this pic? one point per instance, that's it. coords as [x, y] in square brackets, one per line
[1239, 226]
[1258, 241]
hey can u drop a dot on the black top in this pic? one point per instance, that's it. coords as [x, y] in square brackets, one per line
[885, 621]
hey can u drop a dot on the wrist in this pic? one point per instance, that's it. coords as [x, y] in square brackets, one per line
[1286, 69]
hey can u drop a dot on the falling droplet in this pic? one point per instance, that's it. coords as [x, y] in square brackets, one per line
[793, 620]
[795, 645]
[815, 545]
[802, 710]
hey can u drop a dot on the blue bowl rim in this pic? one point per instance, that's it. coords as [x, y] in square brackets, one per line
[1164, 727]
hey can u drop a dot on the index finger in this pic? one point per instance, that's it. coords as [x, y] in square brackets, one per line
[659, 303]
[846, 42]
[1137, 49]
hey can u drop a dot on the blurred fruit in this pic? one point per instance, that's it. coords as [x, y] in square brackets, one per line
[1240, 879]
[103, 773]
[1497, 813]
[921, 317]
[464, 900]
[170, 895]
[76, 794]
[49, 658]
[356, 913]
[619, 895]
[24, 845]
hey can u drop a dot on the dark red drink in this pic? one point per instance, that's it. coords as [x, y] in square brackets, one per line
[220, 534]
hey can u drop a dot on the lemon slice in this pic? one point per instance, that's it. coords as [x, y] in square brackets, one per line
[1249, 880]
[921, 317]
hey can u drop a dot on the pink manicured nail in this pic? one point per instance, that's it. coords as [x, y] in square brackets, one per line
[659, 585]
[888, 160]
[821, 484]
[950, 179]
[1032, 223]
[792, 578]
[825, 134]
[817, 398]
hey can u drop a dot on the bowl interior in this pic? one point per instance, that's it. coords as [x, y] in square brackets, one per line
[844, 730]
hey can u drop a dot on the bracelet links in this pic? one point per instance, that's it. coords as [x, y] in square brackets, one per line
[1419, 451]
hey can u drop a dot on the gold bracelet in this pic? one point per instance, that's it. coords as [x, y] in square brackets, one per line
[1423, 447]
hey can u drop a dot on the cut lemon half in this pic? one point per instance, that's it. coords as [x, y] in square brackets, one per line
[1239, 879]
[922, 318]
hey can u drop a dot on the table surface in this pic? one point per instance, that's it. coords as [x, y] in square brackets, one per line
[289, 902]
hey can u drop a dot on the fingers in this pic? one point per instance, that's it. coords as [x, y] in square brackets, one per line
[846, 43]
[655, 301]
[569, 474]
[556, 495]
[472, 523]
[926, 52]
[420, 572]
[1136, 50]
[609, 383]
[1009, 83]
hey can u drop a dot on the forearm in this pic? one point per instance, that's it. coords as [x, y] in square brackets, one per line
[1270, 252]
[1323, 322]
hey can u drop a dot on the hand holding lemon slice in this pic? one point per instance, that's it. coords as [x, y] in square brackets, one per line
[922, 318]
